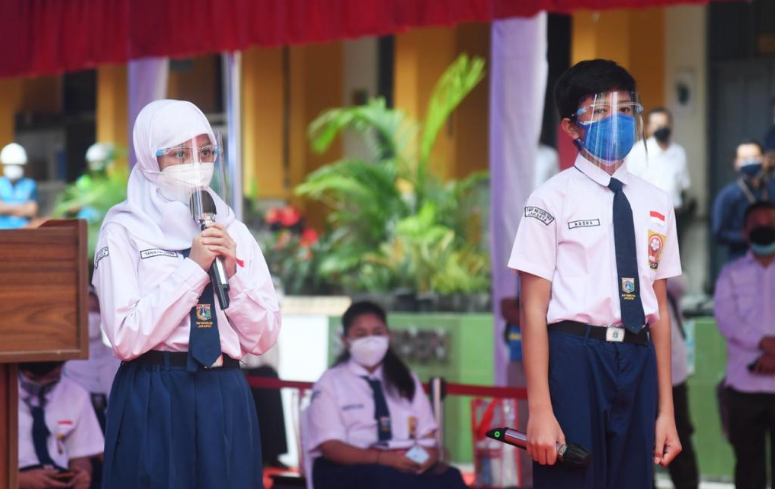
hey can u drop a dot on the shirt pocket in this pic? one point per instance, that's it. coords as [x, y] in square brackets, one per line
[746, 301]
[583, 241]
[154, 267]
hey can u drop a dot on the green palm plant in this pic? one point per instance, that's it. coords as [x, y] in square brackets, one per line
[391, 218]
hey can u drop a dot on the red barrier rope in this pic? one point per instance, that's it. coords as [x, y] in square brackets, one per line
[452, 389]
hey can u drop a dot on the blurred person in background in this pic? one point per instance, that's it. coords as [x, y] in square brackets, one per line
[683, 470]
[731, 203]
[269, 406]
[18, 195]
[769, 141]
[369, 423]
[58, 430]
[662, 162]
[743, 299]
[96, 373]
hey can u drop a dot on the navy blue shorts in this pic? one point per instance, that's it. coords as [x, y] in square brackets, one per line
[172, 429]
[604, 396]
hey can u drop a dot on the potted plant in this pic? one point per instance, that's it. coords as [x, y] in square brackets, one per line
[394, 225]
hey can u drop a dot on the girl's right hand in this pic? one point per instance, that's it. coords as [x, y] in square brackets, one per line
[399, 462]
[201, 254]
[543, 435]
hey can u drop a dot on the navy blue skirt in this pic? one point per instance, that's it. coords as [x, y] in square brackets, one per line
[172, 429]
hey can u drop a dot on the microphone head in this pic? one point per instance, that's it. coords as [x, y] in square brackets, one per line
[206, 200]
[575, 455]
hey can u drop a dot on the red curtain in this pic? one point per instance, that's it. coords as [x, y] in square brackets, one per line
[50, 36]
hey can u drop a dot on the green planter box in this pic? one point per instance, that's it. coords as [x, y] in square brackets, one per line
[714, 453]
[470, 361]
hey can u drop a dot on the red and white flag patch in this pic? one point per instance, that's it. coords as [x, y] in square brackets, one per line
[657, 218]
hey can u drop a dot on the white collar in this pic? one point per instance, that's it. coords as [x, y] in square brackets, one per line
[359, 370]
[598, 175]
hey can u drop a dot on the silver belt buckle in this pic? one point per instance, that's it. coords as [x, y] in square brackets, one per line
[614, 334]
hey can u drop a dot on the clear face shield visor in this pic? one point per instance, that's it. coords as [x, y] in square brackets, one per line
[191, 169]
[610, 124]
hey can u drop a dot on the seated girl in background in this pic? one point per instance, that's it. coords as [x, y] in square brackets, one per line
[369, 424]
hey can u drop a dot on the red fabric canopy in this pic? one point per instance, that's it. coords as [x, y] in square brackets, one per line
[50, 36]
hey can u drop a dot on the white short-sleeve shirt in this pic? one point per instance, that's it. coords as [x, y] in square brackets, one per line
[75, 431]
[342, 408]
[566, 236]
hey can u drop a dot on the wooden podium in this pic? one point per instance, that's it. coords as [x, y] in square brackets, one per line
[44, 311]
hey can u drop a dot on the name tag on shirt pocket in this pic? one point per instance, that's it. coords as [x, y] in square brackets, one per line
[156, 252]
[584, 223]
[350, 407]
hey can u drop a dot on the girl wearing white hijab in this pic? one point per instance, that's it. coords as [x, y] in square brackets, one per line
[181, 413]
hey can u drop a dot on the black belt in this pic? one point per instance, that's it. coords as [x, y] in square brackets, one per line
[177, 359]
[599, 332]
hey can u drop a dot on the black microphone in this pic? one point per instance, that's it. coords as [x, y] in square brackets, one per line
[203, 211]
[572, 455]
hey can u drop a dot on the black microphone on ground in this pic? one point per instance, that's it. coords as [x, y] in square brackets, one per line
[203, 211]
[572, 455]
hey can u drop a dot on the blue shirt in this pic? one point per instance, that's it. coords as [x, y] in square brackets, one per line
[729, 214]
[20, 192]
[769, 139]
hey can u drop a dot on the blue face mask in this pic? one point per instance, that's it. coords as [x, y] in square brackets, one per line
[751, 169]
[610, 139]
[763, 250]
[762, 240]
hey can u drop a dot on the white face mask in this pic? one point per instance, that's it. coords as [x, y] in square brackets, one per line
[369, 351]
[95, 332]
[178, 182]
[13, 172]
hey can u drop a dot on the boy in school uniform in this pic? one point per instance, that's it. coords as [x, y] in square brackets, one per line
[594, 249]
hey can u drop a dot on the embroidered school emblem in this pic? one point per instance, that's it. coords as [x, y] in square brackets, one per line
[540, 214]
[656, 245]
[203, 312]
[628, 285]
[628, 289]
[102, 253]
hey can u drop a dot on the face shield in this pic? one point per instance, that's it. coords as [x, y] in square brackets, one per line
[191, 167]
[610, 124]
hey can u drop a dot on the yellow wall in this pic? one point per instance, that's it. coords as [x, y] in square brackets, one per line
[112, 107]
[471, 120]
[321, 77]
[633, 38]
[421, 57]
[11, 90]
[262, 123]
[315, 84]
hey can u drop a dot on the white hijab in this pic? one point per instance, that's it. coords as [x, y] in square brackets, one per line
[146, 214]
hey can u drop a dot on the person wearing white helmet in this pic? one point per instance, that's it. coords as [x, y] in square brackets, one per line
[18, 195]
[99, 157]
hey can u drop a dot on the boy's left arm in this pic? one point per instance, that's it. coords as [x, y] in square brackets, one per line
[667, 445]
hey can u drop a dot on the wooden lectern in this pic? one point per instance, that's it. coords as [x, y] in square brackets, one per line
[43, 314]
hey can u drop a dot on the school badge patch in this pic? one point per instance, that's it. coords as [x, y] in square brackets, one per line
[628, 288]
[203, 312]
[656, 245]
